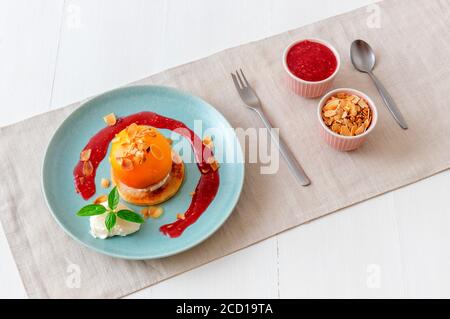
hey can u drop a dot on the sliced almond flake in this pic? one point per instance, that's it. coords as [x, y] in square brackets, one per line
[115, 139]
[132, 151]
[148, 131]
[191, 193]
[362, 103]
[355, 99]
[132, 130]
[330, 113]
[329, 121]
[360, 130]
[152, 211]
[144, 212]
[121, 152]
[336, 127]
[345, 131]
[207, 141]
[214, 166]
[88, 168]
[156, 212]
[213, 163]
[332, 105]
[101, 199]
[139, 154]
[143, 146]
[85, 155]
[110, 119]
[127, 164]
[105, 183]
[181, 216]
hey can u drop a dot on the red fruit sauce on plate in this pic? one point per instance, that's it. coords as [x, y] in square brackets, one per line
[207, 186]
[311, 61]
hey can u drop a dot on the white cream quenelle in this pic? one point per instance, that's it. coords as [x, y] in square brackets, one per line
[121, 228]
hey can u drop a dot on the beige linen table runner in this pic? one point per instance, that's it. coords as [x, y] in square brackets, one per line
[413, 46]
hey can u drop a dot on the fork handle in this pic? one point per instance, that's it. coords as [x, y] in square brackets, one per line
[293, 164]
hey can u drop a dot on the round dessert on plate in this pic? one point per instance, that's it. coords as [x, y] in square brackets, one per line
[134, 148]
[144, 167]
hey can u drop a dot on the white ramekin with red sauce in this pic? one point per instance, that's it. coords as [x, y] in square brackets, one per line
[311, 66]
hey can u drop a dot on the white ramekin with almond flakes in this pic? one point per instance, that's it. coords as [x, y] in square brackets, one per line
[305, 88]
[342, 142]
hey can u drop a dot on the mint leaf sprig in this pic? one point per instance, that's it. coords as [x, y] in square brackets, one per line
[111, 218]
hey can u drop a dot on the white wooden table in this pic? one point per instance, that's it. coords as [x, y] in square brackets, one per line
[54, 52]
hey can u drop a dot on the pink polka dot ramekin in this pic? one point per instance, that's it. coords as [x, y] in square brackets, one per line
[310, 89]
[341, 142]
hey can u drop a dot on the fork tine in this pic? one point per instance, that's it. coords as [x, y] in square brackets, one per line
[240, 80]
[245, 79]
[236, 83]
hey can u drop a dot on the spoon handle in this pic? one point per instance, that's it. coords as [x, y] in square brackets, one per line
[389, 101]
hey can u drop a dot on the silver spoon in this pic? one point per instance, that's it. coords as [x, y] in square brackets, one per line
[363, 59]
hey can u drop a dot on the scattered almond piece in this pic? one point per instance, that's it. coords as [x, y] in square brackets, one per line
[110, 119]
[208, 142]
[100, 199]
[88, 168]
[214, 166]
[213, 163]
[181, 216]
[105, 183]
[192, 193]
[85, 155]
[152, 211]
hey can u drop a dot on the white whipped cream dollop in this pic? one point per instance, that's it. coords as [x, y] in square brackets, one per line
[150, 188]
[121, 228]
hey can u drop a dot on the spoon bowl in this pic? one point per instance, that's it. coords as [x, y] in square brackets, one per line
[362, 56]
[363, 59]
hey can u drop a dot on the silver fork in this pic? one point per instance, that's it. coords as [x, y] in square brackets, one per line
[249, 97]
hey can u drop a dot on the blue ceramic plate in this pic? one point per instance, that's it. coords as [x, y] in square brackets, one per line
[148, 243]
